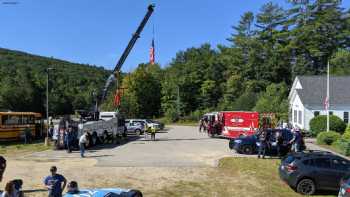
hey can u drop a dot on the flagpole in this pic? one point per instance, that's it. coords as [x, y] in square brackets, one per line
[328, 103]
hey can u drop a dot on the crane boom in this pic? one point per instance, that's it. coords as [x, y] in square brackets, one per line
[134, 38]
[124, 55]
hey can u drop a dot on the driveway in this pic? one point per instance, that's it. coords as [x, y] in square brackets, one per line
[177, 146]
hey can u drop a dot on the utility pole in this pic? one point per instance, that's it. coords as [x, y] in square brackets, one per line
[327, 99]
[47, 106]
[178, 101]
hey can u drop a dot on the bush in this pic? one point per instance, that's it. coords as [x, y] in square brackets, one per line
[346, 134]
[319, 124]
[343, 146]
[327, 137]
[171, 115]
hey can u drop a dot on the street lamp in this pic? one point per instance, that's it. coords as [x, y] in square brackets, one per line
[47, 106]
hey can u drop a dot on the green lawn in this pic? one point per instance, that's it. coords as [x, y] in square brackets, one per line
[17, 148]
[235, 177]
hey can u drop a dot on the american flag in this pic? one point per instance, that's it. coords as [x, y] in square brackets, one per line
[326, 103]
[151, 53]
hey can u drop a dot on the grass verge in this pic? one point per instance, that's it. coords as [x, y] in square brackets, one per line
[18, 148]
[235, 177]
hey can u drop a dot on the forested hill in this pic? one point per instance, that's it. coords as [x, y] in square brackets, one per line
[255, 71]
[23, 83]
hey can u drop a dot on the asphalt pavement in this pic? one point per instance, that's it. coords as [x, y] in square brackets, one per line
[176, 146]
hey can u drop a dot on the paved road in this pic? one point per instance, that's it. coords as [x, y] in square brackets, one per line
[177, 146]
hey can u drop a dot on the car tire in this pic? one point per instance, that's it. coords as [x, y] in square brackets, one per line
[248, 150]
[138, 132]
[231, 144]
[306, 187]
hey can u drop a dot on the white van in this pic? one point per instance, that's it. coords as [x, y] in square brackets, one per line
[107, 115]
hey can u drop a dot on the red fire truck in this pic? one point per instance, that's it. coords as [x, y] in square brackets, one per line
[232, 124]
[238, 123]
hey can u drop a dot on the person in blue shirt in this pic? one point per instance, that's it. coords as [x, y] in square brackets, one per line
[55, 183]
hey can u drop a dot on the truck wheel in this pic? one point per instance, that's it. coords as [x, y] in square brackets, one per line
[138, 132]
[94, 139]
[125, 134]
[117, 139]
[105, 137]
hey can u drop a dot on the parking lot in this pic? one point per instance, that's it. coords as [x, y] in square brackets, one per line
[180, 159]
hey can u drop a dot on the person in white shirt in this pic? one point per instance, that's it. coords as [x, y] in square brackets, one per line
[82, 143]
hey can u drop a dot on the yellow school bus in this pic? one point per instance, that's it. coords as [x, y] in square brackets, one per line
[12, 124]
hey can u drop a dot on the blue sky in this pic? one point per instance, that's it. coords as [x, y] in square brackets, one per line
[97, 31]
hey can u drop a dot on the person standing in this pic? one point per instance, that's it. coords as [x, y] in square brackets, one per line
[263, 143]
[82, 143]
[201, 125]
[297, 141]
[2, 167]
[55, 183]
[27, 135]
[279, 143]
[153, 134]
[69, 139]
[55, 136]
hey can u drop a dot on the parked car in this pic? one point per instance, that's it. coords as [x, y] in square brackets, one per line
[151, 123]
[308, 172]
[250, 144]
[344, 190]
[110, 192]
[135, 127]
[161, 125]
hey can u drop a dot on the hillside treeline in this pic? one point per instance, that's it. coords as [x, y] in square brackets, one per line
[255, 72]
[23, 83]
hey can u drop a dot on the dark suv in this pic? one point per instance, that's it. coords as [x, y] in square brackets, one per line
[309, 171]
[250, 144]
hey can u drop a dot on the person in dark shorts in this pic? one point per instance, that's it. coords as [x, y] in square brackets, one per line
[55, 183]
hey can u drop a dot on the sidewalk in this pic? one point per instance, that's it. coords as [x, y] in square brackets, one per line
[311, 145]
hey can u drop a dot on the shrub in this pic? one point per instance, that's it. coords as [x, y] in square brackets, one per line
[327, 137]
[319, 124]
[343, 146]
[346, 134]
[171, 115]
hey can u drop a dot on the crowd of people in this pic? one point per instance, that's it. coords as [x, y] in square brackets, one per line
[69, 139]
[266, 138]
[209, 126]
[55, 183]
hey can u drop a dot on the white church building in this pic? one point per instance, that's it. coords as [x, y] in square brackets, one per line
[307, 97]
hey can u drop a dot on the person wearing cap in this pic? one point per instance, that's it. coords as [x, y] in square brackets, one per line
[297, 141]
[55, 183]
[2, 166]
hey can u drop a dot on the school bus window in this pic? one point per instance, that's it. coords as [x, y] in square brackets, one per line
[28, 120]
[11, 120]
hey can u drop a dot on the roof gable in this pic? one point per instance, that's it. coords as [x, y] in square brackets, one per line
[314, 90]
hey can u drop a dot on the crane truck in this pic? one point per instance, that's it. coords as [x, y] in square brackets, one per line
[103, 125]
